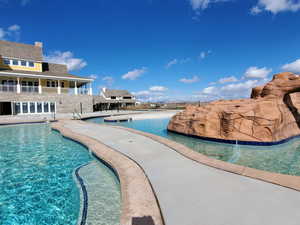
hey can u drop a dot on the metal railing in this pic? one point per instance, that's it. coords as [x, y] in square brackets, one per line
[8, 88]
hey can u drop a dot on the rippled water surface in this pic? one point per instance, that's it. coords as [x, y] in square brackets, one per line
[36, 177]
[284, 158]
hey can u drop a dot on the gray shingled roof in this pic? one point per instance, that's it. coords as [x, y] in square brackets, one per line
[55, 68]
[112, 92]
[20, 51]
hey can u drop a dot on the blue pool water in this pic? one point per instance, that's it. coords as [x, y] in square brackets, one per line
[284, 158]
[36, 177]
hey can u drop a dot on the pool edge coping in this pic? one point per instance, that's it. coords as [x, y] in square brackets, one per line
[284, 180]
[138, 197]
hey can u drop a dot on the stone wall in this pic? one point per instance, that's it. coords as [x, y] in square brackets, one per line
[64, 103]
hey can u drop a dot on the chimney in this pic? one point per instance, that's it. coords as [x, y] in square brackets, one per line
[38, 44]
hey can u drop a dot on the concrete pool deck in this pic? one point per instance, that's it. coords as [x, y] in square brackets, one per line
[190, 193]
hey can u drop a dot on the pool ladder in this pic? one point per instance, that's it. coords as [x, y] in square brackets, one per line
[76, 115]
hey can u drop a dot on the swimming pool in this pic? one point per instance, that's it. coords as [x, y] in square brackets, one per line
[283, 158]
[37, 183]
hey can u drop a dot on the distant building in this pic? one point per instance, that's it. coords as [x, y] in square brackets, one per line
[110, 99]
[29, 85]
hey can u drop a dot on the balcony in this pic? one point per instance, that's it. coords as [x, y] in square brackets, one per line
[45, 90]
[29, 89]
[8, 88]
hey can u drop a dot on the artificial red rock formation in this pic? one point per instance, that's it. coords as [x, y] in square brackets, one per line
[270, 115]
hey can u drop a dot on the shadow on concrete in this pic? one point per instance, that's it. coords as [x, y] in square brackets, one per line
[145, 220]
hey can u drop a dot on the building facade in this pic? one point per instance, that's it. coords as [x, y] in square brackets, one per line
[110, 99]
[29, 85]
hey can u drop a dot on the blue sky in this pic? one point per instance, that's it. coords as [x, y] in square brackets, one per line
[163, 49]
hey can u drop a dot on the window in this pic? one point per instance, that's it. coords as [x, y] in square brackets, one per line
[126, 97]
[39, 107]
[113, 97]
[31, 64]
[48, 83]
[53, 84]
[17, 107]
[23, 63]
[32, 107]
[25, 107]
[46, 107]
[52, 107]
[62, 84]
[15, 62]
[6, 61]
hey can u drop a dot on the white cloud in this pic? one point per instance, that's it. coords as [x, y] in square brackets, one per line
[255, 72]
[2, 33]
[227, 79]
[153, 94]
[239, 87]
[66, 58]
[276, 6]
[134, 74]
[158, 88]
[12, 32]
[93, 76]
[209, 90]
[14, 27]
[149, 96]
[292, 67]
[230, 91]
[255, 10]
[194, 79]
[171, 63]
[203, 4]
[109, 80]
[141, 93]
[177, 61]
[204, 54]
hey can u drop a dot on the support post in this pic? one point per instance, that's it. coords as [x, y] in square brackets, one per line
[18, 85]
[90, 89]
[40, 86]
[76, 91]
[58, 87]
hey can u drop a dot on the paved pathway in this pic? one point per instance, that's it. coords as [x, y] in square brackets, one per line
[190, 193]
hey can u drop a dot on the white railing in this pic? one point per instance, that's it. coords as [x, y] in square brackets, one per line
[69, 91]
[83, 91]
[52, 90]
[35, 89]
[30, 89]
[8, 88]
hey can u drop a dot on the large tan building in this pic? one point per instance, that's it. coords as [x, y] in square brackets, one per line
[29, 85]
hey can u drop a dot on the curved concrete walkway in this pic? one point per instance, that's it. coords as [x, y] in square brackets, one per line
[190, 193]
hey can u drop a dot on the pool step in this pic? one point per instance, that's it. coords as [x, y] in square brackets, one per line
[117, 119]
[98, 190]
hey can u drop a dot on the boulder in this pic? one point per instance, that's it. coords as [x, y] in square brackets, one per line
[270, 115]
